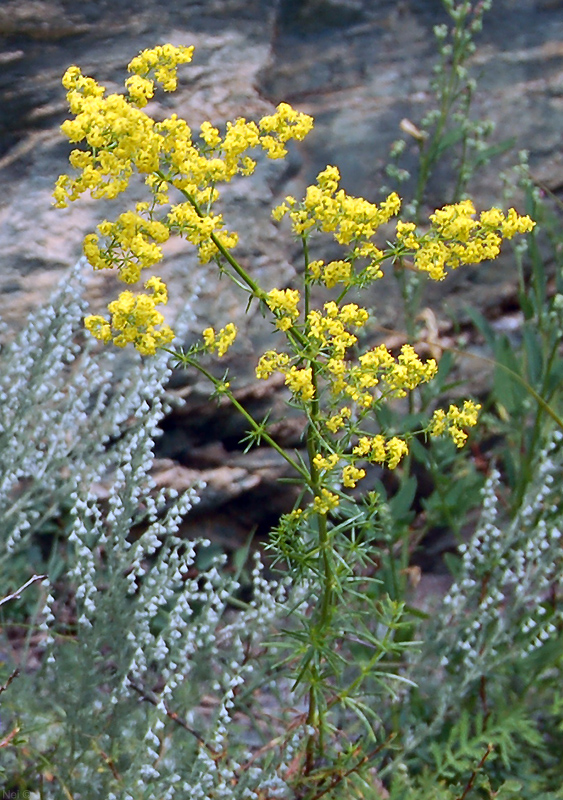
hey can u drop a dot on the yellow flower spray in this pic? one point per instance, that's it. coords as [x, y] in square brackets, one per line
[338, 390]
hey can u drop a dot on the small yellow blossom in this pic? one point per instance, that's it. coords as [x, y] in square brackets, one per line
[300, 381]
[278, 128]
[284, 303]
[210, 135]
[516, 224]
[129, 246]
[135, 320]
[351, 475]
[325, 502]
[396, 450]
[454, 421]
[336, 272]
[325, 464]
[220, 342]
[406, 234]
[271, 362]
[337, 421]
[316, 269]
[140, 90]
[162, 62]
[99, 327]
[409, 371]
[379, 451]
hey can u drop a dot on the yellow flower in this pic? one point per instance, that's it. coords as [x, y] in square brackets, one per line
[162, 62]
[300, 382]
[284, 302]
[325, 502]
[396, 449]
[209, 337]
[270, 362]
[140, 90]
[379, 451]
[409, 371]
[98, 327]
[221, 341]
[336, 272]
[325, 464]
[210, 135]
[351, 475]
[277, 129]
[337, 421]
[135, 320]
[516, 224]
[454, 421]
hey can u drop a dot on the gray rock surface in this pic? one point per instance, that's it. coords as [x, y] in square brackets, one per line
[358, 66]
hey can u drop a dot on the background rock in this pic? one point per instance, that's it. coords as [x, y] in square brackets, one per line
[358, 66]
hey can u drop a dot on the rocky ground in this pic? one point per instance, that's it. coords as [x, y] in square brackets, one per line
[359, 67]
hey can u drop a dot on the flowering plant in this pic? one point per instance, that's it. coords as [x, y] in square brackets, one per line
[328, 533]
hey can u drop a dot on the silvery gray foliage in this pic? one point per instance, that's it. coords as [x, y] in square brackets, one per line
[497, 609]
[64, 405]
[157, 689]
[149, 682]
[502, 608]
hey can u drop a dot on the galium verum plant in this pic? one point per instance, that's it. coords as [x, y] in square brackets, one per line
[337, 389]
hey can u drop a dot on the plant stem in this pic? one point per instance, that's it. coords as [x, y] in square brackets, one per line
[186, 360]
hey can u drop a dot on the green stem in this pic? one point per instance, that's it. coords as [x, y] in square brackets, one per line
[448, 94]
[191, 362]
[525, 475]
[326, 605]
[306, 282]
[253, 288]
[327, 599]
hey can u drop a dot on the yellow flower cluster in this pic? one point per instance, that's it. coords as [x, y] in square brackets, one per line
[300, 382]
[271, 362]
[277, 129]
[352, 221]
[134, 319]
[196, 168]
[329, 329]
[119, 139]
[284, 303]
[350, 473]
[332, 273]
[197, 229]
[128, 248]
[329, 340]
[378, 450]
[220, 342]
[325, 502]
[379, 370]
[326, 464]
[162, 62]
[454, 420]
[337, 421]
[456, 237]
[373, 449]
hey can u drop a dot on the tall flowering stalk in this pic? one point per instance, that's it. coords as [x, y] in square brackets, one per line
[338, 388]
